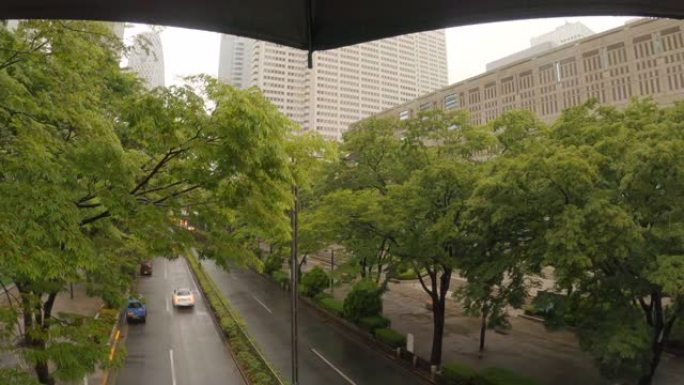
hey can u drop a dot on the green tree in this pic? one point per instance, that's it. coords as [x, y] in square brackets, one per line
[428, 210]
[600, 201]
[96, 173]
[497, 265]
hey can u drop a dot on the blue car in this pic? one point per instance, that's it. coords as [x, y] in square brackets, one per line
[136, 311]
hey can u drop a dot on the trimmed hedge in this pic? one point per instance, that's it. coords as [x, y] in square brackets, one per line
[330, 304]
[460, 374]
[257, 370]
[457, 374]
[373, 322]
[390, 337]
[500, 376]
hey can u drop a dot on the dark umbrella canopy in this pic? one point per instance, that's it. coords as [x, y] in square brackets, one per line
[323, 24]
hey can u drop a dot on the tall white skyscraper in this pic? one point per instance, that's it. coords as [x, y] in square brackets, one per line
[235, 59]
[345, 84]
[147, 59]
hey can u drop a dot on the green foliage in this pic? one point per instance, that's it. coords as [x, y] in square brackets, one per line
[273, 264]
[16, 377]
[330, 304]
[314, 282]
[374, 322]
[282, 277]
[391, 337]
[457, 374]
[97, 173]
[500, 376]
[257, 369]
[364, 300]
[407, 275]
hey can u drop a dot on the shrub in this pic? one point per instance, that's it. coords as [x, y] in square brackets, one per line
[363, 301]
[390, 337]
[500, 376]
[457, 374]
[314, 282]
[272, 264]
[374, 322]
[407, 275]
[282, 277]
[330, 304]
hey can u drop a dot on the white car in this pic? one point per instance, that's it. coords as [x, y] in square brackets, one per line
[183, 297]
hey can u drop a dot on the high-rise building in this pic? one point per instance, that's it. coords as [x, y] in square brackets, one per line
[235, 59]
[345, 84]
[643, 58]
[564, 34]
[118, 29]
[147, 59]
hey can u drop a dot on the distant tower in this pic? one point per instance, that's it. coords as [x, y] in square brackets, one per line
[235, 60]
[147, 59]
[118, 29]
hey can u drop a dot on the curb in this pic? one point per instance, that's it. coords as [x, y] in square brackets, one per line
[356, 332]
[109, 374]
[217, 324]
[531, 318]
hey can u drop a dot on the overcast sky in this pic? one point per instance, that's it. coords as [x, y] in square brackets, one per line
[189, 52]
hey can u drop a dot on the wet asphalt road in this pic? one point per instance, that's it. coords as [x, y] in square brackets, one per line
[175, 347]
[326, 355]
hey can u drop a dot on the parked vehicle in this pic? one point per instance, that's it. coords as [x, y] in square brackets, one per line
[136, 311]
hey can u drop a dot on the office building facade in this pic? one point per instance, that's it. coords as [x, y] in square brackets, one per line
[566, 33]
[147, 59]
[644, 58]
[345, 84]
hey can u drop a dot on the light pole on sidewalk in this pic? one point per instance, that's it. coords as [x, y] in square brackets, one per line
[293, 283]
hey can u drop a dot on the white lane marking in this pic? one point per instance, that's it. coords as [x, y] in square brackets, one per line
[333, 367]
[262, 304]
[173, 368]
[168, 305]
[166, 269]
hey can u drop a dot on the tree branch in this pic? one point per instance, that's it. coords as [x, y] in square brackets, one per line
[167, 157]
[104, 214]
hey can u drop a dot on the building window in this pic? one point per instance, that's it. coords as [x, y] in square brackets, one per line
[426, 106]
[451, 101]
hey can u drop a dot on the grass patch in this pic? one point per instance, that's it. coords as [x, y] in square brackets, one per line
[390, 337]
[327, 302]
[257, 369]
[371, 323]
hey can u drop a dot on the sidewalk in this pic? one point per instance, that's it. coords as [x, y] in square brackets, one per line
[80, 304]
[529, 349]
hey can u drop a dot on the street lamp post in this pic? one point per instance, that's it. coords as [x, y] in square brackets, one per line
[293, 283]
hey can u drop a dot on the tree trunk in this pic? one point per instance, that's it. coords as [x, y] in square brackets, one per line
[43, 373]
[299, 269]
[37, 315]
[438, 331]
[483, 327]
[661, 334]
[438, 313]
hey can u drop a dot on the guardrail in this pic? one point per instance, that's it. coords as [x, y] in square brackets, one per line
[226, 309]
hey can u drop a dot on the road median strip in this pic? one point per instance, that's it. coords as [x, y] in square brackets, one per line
[254, 367]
